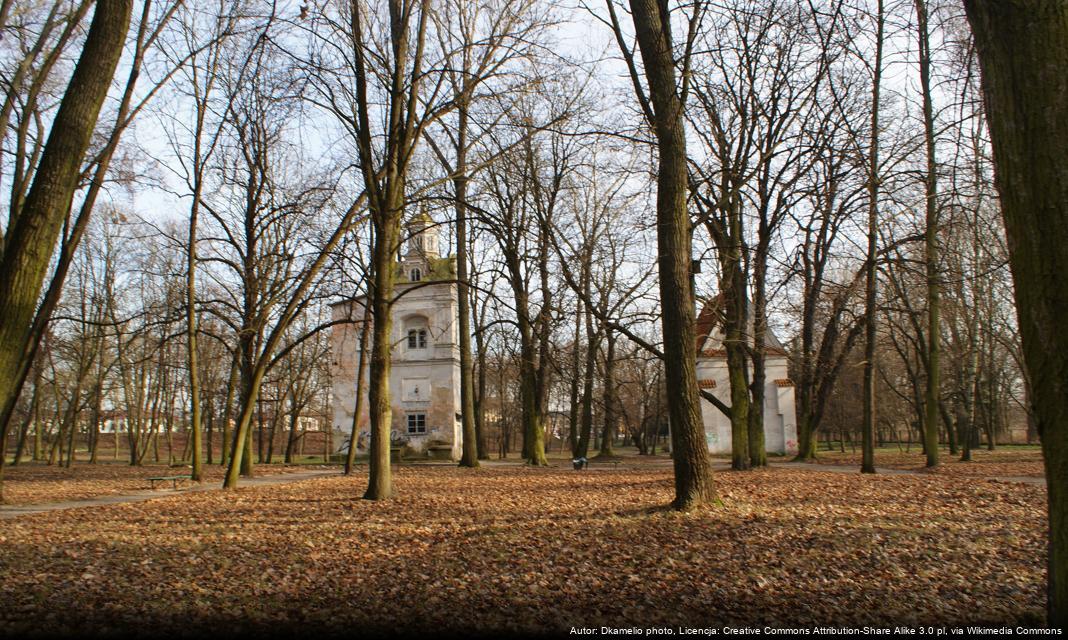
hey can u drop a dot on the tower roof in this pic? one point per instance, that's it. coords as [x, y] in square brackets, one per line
[710, 334]
[421, 219]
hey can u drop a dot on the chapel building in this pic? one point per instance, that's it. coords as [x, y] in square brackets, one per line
[780, 417]
[425, 371]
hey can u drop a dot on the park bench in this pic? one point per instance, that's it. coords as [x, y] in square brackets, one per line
[583, 463]
[174, 480]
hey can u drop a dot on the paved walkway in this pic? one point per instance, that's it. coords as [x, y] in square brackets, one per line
[13, 511]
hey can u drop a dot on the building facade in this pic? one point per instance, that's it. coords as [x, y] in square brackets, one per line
[780, 416]
[425, 372]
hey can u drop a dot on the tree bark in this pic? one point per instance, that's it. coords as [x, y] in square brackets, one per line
[934, 305]
[467, 391]
[1023, 52]
[758, 456]
[582, 447]
[692, 465]
[387, 234]
[228, 408]
[361, 364]
[867, 464]
[573, 409]
[33, 231]
[480, 398]
[608, 432]
[734, 327]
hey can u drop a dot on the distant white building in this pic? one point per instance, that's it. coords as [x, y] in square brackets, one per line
[425, 373]
[780, 417]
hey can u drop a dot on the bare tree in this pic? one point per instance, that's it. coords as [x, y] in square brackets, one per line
[1023, 51]
[34, 223]
[663, 108]
[384, 52]
[489, 41]
[201, 74]
[933, 397]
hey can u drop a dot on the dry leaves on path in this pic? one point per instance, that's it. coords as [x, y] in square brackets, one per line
[1000, 463]
[39, 484]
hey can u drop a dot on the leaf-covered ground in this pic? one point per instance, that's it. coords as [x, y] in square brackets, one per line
[30, 483]
[533, 550]
[1003, 463]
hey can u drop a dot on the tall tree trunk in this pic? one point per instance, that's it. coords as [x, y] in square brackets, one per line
[934, 305]
[480, 397]
[241, 453]
[467, 391]
[543, 374]
[94, 418]
[593, 339]
[1023, 52]
[38, 444]
[758, 456]
[533, 434]
[276, 419]
[192, 358]
[30, 420]
[361, 364]
[806, 423]
[249, 392]
[228, 408]
[260, 428]
[387, 233]
[529, 377]
[292, 438]
[734, 345]
[871, 284]
[608, 433]
[69, 427]
[32, 232]
[210, 441]
[692, 465]
[573, 391]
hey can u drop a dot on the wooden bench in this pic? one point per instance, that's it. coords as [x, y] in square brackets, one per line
[174, 480]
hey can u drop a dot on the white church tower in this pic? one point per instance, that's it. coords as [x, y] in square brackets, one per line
[425, 373]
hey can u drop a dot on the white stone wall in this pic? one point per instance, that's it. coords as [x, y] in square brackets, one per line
[780, 417]
[717, 426]
[422, 380]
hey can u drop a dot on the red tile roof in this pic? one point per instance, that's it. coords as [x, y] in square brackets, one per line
[709, 318]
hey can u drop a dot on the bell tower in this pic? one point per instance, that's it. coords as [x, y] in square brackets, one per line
[424, 378]
[421, 247]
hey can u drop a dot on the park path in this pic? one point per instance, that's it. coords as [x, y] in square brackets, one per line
[13, 511]
[838, 468]
[723, 465]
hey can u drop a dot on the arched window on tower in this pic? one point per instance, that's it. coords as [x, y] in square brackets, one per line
[417, 338]
[416, 275]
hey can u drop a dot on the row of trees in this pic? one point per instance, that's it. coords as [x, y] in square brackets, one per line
[113, 360]
[259, 116]
[828, 162]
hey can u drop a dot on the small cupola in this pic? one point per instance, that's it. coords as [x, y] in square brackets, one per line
[421, 234]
